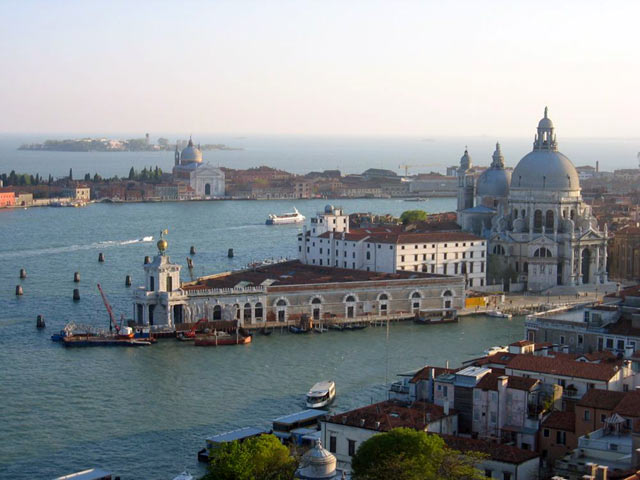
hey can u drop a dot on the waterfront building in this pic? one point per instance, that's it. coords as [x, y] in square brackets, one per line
[205, 180]
[7, 198]
[329, 241]
[624, 253]
[81, 193]
[282, 294]
[540, 232]
[613, 326]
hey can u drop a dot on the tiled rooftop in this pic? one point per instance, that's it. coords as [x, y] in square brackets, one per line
[561, 421]
[296, 273]
[496, 451]
[562, 366]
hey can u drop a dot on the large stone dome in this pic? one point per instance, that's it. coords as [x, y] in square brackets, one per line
[494, 182]
[545, 170]
[190, 154]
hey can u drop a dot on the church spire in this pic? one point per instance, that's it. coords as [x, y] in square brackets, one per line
[465, 161]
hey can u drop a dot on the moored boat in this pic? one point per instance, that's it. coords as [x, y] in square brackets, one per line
[294, 329]
[221, 338]
[105, 341]
[286, 218]
[498, 314]
[321, 394]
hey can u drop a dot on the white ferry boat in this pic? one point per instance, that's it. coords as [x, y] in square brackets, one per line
[498, 314]
[285, 218]
[321, 394]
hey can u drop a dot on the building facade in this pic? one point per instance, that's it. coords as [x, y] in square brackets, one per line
[330, 242]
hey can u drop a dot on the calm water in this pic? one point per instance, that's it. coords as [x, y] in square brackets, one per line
[144, 413]
[303, 154]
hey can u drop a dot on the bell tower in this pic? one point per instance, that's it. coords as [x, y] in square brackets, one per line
[177, 155]
[466, 183]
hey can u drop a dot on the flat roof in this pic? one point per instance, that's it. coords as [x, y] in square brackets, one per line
[296, 273]
[238, 434]
[300, 416]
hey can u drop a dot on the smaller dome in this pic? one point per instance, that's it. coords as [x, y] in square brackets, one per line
[494, 182]
[328, 209]
[318, 463]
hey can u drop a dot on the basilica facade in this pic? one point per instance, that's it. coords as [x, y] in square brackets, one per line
[205, 180]
[540, 232]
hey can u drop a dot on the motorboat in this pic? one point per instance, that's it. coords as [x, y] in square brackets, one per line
[321, 394]
[286, 218]
[294, 329]
[219, 338]
[498, 314]
[493, 350]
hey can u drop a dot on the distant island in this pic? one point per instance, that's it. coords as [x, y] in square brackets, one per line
[110, 145]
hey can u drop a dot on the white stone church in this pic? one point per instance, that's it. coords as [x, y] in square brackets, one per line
[205, 180]
[540, 232]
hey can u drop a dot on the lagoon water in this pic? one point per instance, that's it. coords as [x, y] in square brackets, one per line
[143, 413]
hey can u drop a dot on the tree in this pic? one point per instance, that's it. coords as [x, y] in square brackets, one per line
[87, 177]
[132, 174]
[71, 174]
[258, 458]
[413, 216]
[407, 454]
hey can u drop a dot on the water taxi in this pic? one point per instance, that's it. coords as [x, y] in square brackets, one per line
[498, 314]
[321, 394]
[286, 218]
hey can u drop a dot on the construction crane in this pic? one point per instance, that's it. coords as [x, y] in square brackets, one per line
[111, 316]
[407, 167]
[191, 333]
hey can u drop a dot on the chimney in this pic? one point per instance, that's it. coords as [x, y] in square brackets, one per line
[362, 422]
[601, 473]
[432, 373]
[446, 406]
[597, 166]
[502, 383]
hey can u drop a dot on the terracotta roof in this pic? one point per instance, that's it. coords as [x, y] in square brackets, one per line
[499, 358]
[561, 421]
[391, 414]
[297, 273]
[603, 399]
[566, 367]
[490, 382]
[623, 327]
[423, 373]
[496, 451]
[629, 406]
[542, 345]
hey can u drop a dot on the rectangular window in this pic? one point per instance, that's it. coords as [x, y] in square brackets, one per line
[587, 415]
[320, 250]
[506, 475]
[445, 256]
[352, 447]
[561, 437]
[580, 339]
[487, 473]
[609, 343]
[332, 444]
[444, 391]
[402, 258]
[620, 345]
[562, 340]
[545, 433]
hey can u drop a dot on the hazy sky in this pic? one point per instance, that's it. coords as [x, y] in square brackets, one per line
[320, 67]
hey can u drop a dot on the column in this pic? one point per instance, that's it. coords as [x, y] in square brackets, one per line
[596, 278]
[579, 279]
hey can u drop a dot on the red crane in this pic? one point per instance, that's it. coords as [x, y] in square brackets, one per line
[111, 316]
[192, 332]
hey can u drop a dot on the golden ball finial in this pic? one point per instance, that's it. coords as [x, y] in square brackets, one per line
[162, 245]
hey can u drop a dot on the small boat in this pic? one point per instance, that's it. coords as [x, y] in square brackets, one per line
[493, 350]
[220, 338]
[146, 239]
[184, 476]
[286, 218]
[266, 331]
[105, 341]
[336, 326]
[498, 314]
[418, 199]
[294, 329]
[320, 329]
[321, 394]
[359, 326]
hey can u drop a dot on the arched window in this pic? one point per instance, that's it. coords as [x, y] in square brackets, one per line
[522, 213]
[315, 308]
[217, 312]
[247, 313]
[236, 307]
[383, 302]
[525, 269]
[281, 307]
[515, 213]
[537, 221]
[350, 311]
[542, 252]
[169, 283]
[350, 298]
[573, 214]
[446, 299]
[258, 312]
[549, 220]
[498, 250]
[415, 301]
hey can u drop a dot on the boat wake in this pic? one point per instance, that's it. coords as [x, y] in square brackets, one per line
[74, 248]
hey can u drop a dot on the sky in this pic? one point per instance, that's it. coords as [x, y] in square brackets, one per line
[348, 67]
